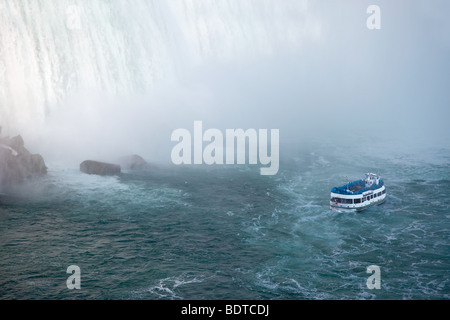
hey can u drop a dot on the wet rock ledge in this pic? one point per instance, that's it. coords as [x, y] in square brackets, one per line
[107, 169]
[99, 168]
[17, 164]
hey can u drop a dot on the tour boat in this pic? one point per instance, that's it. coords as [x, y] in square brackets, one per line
[360, 194]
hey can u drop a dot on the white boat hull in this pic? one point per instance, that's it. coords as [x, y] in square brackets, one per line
[348, 200]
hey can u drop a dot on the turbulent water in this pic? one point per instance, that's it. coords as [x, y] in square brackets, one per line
[98, 79]
[229, 233]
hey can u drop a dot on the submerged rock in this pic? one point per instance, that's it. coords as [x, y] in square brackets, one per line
[99, 168]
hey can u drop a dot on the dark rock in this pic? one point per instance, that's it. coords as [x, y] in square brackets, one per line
[132, 162]
[35, 164]
[100, 168]
[16, 142]
[16, 163]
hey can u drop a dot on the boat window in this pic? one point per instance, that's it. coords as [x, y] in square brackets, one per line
[364, 199]
[371, 196]
[379, 193]
[357, 200]
[384, 191]
[375, 195]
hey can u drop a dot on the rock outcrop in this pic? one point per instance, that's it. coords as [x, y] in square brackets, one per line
[99, 168]
[17, 164]
[132, 162]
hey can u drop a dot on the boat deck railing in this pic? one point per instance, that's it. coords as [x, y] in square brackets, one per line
[356, 187]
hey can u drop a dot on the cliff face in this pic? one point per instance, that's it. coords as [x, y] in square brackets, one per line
[17, 164]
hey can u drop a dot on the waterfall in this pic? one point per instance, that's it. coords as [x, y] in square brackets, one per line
[53, 50]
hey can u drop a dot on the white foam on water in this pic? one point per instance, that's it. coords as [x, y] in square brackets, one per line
[169, 287]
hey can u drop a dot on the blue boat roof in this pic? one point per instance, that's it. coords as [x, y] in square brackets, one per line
[356, 187]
